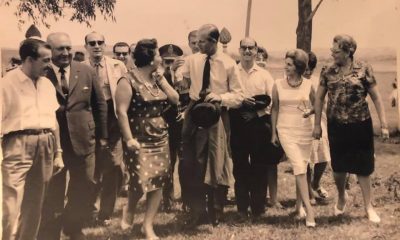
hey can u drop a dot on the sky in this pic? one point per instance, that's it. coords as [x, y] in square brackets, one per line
[373, 23]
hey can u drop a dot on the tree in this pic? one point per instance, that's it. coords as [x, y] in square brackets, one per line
[304, 26]
[82, 11]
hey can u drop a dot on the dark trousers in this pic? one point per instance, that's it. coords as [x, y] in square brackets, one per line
[26, 169]
[80, 191]
[109, 167]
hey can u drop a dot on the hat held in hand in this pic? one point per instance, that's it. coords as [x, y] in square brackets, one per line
[205, 114]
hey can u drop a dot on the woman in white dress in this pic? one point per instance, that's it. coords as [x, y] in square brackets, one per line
[291, 103]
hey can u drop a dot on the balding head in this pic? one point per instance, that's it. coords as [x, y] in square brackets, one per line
[248, 50]
[208, 35]
[61, 48]
[95, 44]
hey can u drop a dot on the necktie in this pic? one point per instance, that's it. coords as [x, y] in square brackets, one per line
[64, 83]
[206, 76]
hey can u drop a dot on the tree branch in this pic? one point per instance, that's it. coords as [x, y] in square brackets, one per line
[313, 12]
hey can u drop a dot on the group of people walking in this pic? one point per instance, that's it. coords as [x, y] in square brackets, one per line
[107, 120]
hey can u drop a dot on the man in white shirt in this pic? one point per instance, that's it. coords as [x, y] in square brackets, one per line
[254, 158]
[30, 140]
[206, 162]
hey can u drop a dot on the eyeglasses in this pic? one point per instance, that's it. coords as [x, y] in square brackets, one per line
[118, 54]
[62, 48]
[247, 47]
[93, 43]
[335, 51]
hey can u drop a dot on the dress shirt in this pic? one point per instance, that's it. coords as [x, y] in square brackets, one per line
[25, 106]
[257, 81]
[224, 78]
[101, 70]
[58, 74]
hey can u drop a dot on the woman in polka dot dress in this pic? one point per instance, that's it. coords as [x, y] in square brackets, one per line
[141, 97]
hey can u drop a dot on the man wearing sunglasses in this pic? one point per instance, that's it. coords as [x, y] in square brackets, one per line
[109, 164]
[121, 52]
[82, 115]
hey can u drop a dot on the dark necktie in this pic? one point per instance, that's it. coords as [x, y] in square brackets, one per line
[206, 76]
[64, 83]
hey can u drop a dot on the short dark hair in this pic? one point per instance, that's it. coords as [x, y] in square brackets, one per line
[312, 60]
[121, 44]
[30, 48]
[145, 51]
[346, 43]
[213, 35]
[300, 60]
[263, 52]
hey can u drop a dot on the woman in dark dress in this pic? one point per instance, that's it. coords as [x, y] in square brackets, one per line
[350, 132]
[141, 97]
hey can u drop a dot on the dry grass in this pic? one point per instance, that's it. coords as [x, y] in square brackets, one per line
[279, 223]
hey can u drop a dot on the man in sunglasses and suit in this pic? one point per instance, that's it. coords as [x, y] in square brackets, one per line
[109, 164]
[82, 115]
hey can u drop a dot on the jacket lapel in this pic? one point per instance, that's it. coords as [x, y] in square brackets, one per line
[53, 78]
[73, 77]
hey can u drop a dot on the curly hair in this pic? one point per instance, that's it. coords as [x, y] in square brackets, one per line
[346, 43]
[300, 59]
[145, 51]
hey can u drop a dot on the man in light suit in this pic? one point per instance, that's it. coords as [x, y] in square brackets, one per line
[109, 164]
[82, 116]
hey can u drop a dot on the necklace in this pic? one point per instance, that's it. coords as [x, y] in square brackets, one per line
[147, 85]
[296, 84]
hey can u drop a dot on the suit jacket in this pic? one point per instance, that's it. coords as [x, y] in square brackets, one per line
[115, 70]
[83, 114]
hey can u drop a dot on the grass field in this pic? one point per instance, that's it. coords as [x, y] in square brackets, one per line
[279, 223]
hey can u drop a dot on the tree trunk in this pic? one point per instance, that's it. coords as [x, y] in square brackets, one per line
[304, 27]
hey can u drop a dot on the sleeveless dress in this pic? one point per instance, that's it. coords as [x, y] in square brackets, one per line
[149, 167]
[294, 131]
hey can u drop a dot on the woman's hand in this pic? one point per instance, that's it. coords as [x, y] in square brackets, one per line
[317, 132]
[275, 140]
[132, 144]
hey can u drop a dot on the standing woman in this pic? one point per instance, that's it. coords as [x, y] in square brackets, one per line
[141, 97]
[350, 132]
[291, 126]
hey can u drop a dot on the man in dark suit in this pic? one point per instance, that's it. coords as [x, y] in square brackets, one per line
[82, 115]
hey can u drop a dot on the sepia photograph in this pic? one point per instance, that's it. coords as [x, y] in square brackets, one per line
[199, 119]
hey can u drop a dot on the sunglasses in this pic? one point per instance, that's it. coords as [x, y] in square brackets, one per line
[62, 48]
[168, 61]
[93, 43]
[247, 47]
[118, 54]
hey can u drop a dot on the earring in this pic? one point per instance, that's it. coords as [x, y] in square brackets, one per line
[151, 63]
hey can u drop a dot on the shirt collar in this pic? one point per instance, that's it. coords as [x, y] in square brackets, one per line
[254, 68]
[57, 69]
[23, 77]
[102, 62]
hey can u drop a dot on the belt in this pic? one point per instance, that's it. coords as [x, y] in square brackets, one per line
[29, 132]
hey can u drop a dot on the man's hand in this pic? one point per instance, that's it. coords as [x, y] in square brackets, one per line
[133, 145]
[275, 140]
[103, 143]
[317, 132]
[178, 62]
[58, 163]
[212, 97]
[385, 133]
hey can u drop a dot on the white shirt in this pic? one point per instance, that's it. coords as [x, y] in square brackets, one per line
[58, 74]
[224, 78]
[25, 106]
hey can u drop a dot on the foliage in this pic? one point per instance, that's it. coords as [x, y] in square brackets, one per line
[40, 11]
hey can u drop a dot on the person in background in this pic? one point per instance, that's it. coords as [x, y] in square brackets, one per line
[30, 140]
[262, 57]
[320, 156]
[122, 52]
[141, 97]
[350, 131]
[292, 126]
[79, 56]
[394, 98]
[173, 116]
[109, 161]
[13, 63]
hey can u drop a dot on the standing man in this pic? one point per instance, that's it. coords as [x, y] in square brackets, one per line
[122, 52]
[173, 116]
[254, 158]
[30, 140]
[206, 162]
[82, 116]
[109, 163]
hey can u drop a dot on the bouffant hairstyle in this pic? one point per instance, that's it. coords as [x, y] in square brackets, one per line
[300, 60]
[312, 61]
[346, 43]
[145, 51]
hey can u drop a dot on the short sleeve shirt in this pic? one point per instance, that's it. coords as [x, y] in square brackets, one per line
[347, 93]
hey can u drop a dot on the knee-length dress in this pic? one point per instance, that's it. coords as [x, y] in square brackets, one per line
[149, 167]
[294, 131]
